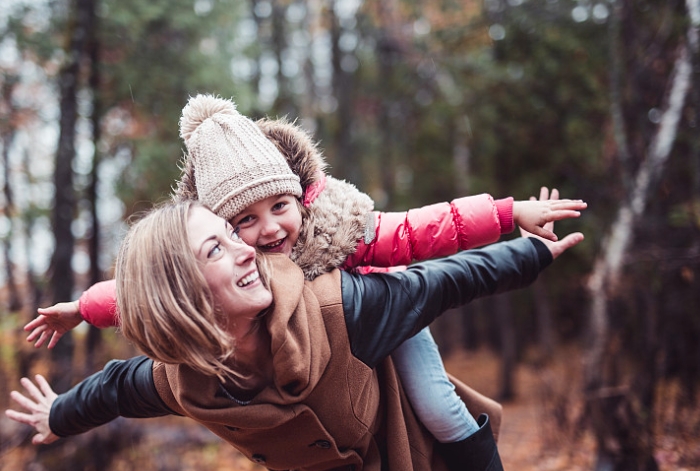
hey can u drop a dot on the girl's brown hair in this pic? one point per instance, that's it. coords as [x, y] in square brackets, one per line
[166, 306]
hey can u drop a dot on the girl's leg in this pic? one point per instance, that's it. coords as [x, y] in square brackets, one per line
[431, 393]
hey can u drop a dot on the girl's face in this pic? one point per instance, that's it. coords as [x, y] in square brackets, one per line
[271, 225]
[228, 265]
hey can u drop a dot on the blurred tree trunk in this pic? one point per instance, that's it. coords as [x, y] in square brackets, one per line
[469, 330]
[94, 336]
[312, 24]
[508, 341]
[346, 160]
[14, 300]
[255, 79]
[622, 432]
[694, 41]
[62, 278]
[388, 53]
[34, 289]
[545, 318]
[285, 101]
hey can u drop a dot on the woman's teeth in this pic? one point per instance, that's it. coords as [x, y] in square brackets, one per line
[248, 280]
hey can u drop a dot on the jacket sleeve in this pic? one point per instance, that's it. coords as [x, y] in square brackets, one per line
[123, 388]
[432, 231]
[384, 309]
[98, 305]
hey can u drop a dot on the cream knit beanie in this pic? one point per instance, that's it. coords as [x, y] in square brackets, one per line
[235, 165]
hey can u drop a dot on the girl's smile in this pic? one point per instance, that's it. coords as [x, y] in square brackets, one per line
[271, 225]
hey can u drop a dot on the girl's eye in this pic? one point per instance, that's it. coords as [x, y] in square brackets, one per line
[245, 220]
[279, 206]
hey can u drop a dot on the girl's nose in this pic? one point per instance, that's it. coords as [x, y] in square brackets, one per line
[269, 227]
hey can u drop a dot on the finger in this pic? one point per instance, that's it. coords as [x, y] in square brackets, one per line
[544, 233]
[48, 311]
[570, 241]
[23, 401]
[43, 439]
[35, 333]
[32, 390]
[39, 321]
[568, 204]
[19, 417]
[42, 339]
[554, 195]
[44, 386]
[562, 214]
[544, 193]
[54, 339]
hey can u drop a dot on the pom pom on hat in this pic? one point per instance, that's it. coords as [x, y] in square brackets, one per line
[199, 109]
[235, 165]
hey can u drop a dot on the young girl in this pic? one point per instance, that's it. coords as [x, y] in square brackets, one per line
[268, 180]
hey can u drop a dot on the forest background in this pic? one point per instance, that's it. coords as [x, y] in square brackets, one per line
[416, 102]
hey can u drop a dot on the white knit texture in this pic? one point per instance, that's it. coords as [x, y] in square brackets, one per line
[235, 164]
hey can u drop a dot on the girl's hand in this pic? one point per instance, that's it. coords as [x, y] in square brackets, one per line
[53, 322]
[546, 233]
[38, 407]
[537, 216]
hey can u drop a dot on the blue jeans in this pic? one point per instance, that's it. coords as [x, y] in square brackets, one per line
[432, 395]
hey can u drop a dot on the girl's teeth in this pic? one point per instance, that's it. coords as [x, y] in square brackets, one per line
[248, 280]
[275, 244]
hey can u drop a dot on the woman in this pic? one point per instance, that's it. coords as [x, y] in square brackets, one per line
[299, 383]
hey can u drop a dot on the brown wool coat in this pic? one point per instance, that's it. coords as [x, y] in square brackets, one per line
[337, 218]
[327, 410]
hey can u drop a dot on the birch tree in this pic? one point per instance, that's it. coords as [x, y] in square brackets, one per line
[612, 415]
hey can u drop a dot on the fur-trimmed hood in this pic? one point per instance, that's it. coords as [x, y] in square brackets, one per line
[337, 217]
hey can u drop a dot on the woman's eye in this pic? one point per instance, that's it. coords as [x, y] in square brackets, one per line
[235, 234]
[214, 250]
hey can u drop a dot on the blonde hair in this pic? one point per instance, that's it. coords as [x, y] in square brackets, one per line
[166, 306]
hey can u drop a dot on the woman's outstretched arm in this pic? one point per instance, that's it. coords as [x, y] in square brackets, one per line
[123, 388]
[412, 299]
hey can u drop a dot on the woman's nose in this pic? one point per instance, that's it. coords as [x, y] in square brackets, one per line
[243, 252]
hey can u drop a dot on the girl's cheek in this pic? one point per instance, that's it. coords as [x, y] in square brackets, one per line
[249, 237]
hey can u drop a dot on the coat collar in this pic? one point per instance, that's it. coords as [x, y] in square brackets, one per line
[298, 362]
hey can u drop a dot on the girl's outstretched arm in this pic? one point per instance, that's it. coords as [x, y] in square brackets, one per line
[53, 322]
[97, 306]
[399, 238]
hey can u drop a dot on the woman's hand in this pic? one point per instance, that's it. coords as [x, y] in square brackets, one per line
[555, 246]
[53, 322]
[38, 409]
[537, 216]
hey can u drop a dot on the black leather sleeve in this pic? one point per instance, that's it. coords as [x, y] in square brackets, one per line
[123, 388]
[384, 309]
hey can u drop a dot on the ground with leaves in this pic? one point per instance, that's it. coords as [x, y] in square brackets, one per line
[542, 429]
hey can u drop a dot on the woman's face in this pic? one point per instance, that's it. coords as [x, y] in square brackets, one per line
[228, 265]
[271, 225]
